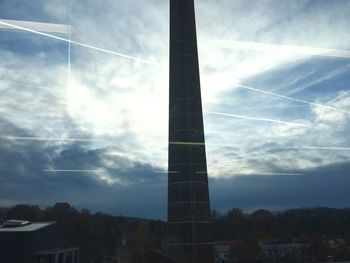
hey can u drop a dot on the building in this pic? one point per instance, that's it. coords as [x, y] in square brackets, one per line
[280, 251]
[189, 219]
[226, 250]
[23, 241]
[223, 253]
[336, 243]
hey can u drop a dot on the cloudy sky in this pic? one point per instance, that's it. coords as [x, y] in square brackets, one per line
[84, 103]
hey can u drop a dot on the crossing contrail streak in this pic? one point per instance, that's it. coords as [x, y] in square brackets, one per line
[293, 99]
[81, 44]
[23, 138]
[287, 49]
[69, 43]
[256, 118]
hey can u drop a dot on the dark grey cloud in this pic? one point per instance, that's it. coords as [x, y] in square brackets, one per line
[105, 89]
[321, 186]
[140, 190]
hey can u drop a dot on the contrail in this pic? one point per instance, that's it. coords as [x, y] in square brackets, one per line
[288, 49]
[243, 173]
[258, 173]
[340, 96]
[23, 138]
[293, 99]
[256, 119]
[72, 171]
[166, 171]
[69, 43]
[81, 44]
[327, 148]
[36, 26]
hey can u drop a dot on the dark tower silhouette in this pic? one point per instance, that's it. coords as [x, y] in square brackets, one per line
[189, 217]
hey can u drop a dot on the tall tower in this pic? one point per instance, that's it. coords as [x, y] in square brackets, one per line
[189, 217]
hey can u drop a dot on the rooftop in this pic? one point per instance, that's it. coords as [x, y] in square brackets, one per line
[23, 226]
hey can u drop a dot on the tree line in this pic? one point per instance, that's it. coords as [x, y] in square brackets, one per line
[107, 238]
[303, 223]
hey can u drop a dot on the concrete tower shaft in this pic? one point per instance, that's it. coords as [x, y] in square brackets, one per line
[189, 217]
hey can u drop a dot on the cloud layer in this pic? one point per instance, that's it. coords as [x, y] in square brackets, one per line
[89, 126]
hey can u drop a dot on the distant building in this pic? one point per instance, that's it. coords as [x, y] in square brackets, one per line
[222, 253]
[336, 243]
[225, 250]
[27, 242]
[280, 251]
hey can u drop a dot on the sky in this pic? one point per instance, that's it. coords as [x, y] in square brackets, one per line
[84, 103]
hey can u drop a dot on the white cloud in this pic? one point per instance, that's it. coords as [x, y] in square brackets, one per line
[41, 27]
[124, 103]
[324, 116]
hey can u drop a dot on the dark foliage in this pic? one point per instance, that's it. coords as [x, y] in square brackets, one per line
[101, 237]
[307, 223]
[314, 226]
[104, 238]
